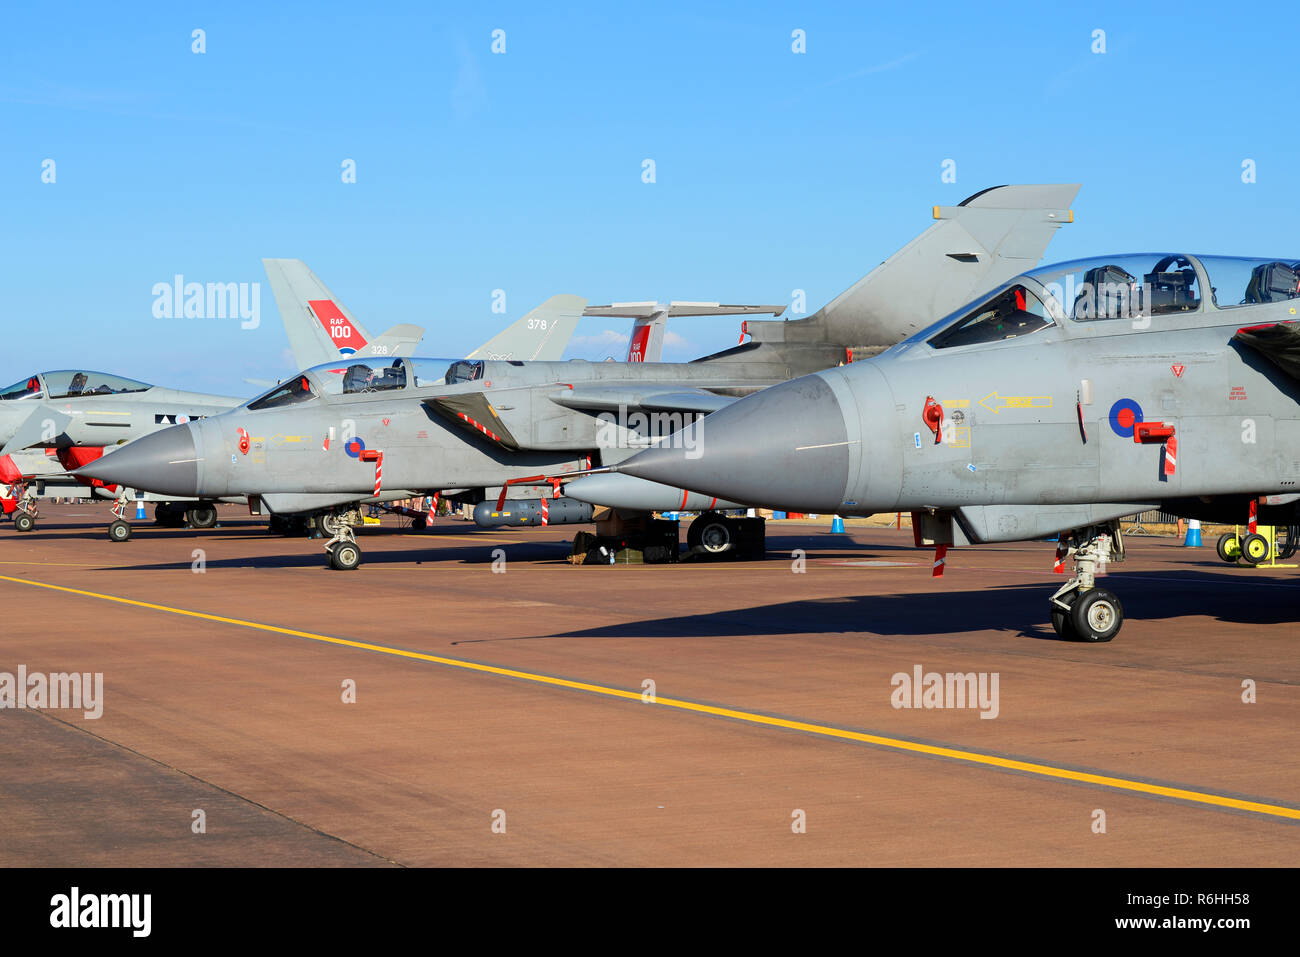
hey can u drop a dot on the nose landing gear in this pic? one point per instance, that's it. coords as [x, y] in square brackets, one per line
[1081, 611]
[344, 552]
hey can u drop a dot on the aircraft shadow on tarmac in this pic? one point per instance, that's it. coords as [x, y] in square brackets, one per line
[312, 555]
[1146, 597]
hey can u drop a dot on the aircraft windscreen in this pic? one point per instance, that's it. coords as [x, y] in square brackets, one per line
[351, 376]
[1123, 287]
[29, 388]
[71, 383]
[1236, 281]
[295, 390]
[1016, 311]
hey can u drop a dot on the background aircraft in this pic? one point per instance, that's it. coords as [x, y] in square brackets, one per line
[1067, 398]
[321, 328]
[79, 414]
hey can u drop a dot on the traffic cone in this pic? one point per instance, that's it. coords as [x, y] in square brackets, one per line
[1193, 539]
[837, 525]
[139, 510]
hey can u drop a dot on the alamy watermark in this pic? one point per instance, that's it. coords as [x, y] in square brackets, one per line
[179, 299]
[640, 430]
[932, 690]
[58, 690]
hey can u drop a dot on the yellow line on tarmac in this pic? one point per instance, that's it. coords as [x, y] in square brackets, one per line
[826, 731]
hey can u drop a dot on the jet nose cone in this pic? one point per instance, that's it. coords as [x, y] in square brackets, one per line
[165, 462]
[783, 447]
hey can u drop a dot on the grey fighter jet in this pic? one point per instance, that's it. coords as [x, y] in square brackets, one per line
[492, 432]
[79, 414]
[1067, 398]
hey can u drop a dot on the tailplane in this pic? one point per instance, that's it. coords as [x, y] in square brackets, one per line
[646, 343]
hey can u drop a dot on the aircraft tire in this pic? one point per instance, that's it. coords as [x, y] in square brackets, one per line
[23, 522]
[345, 556]
[202, 516]
[1097, 616]
[328, 523]
[419, 524]
[711, 535]
[119, 531]
[1254, 548]
[1229, 547]
[1061, 622]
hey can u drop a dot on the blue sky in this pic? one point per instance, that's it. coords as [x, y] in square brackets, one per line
[522, 171]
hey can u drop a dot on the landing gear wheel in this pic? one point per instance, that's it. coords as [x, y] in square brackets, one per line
[711, 534]
[1061, 622]
[345, 556]
[1229, 547]
[202, 516]
[419, 524]
[119, 531]
[1097, 616]
[1254, 548]
[24, 522]
[328, 523]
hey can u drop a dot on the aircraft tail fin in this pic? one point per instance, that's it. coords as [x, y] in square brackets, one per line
[543, 334]
[401, 340]
[980, 243]
[320, 328]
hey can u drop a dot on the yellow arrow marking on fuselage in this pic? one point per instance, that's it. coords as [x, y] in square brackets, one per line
[996, 403]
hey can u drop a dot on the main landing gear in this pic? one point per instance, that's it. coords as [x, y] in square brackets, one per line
[1081, 611]
[715, 536]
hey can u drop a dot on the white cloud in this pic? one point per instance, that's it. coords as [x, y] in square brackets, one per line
[602, 339]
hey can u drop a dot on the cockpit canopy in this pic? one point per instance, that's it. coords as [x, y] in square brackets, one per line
[1135, 287]
[350, 376]
[70, 384]
[1122, 287]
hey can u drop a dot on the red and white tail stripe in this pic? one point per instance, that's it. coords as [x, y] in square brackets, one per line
[433, 507]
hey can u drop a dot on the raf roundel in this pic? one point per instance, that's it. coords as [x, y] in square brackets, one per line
[355, 446]
[1124, 415]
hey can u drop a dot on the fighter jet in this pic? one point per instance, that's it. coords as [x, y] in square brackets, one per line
[80, 414]
[488, 432]
[1068, 397]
